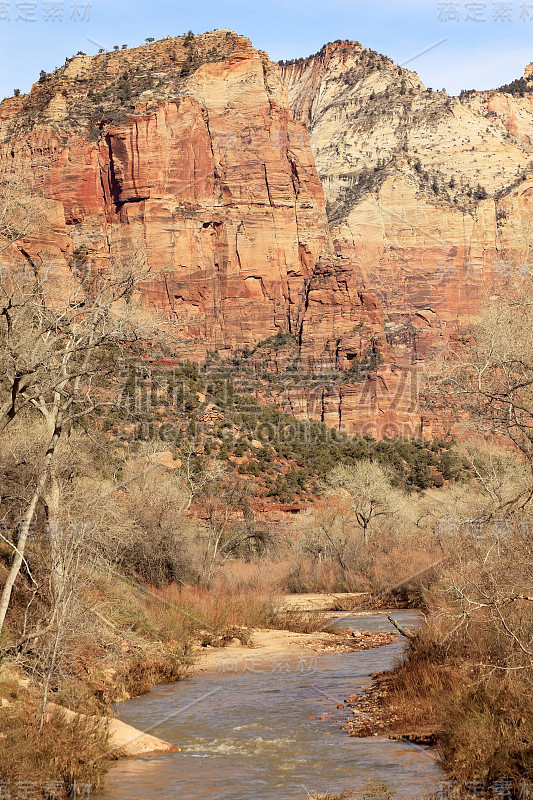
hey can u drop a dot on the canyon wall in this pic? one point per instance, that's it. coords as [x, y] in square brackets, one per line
[211, 178]
[429, 196]
[334, 200]
[185, 152]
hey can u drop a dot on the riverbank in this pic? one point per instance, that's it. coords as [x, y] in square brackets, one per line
[138, 664]
[124, 740]
[272, 650]
[274, 647]
[259, 649]
[373, 714]
[271, 726]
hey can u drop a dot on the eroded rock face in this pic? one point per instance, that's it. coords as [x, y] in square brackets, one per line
[513, 112]
[428, 195]
[204, 157]
[187, 150]
[45, 245]
[217, 184]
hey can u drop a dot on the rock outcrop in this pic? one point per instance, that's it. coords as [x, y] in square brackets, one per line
[429, 196]
[210, 176]
[186, 151]
[334, 201]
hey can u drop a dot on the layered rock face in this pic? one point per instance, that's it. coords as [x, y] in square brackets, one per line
[221, 170]
[45, 246]
[429, 196]
[186, 152]
[210, 175]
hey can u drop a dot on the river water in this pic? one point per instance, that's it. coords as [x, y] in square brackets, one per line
[270, 733]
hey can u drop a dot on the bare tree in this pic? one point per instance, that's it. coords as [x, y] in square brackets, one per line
[487, 592]
[156, 500]
[67, 544]
[55, 338]
[490, 373]
[19, 212]
[328, 531]
[228, 524]
[369, 490]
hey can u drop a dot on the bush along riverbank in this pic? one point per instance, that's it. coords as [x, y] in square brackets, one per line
[464, 684]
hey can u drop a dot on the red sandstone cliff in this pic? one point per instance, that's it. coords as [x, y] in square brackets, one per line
[429, 196]
[209, 174]
[187, 150]
[203, 154]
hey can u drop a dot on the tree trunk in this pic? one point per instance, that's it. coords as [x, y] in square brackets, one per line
[26, 522]
[400, 628]
[52, 500]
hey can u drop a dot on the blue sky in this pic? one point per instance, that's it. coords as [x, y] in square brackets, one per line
[487, 43]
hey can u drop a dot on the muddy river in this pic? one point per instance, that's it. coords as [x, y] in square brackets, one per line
[270, 732]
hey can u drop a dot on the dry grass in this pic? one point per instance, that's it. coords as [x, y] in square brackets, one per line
[382, 565]
[227, 613]
[221, 608]
[268, 575]
[488, 727]
[139, 674]
[421, 681]
[370, 791]
[484, 719]
[128, 642]
[66, 752]
[328, 796]
[303, 622]
[307, 576]
[468, 672]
